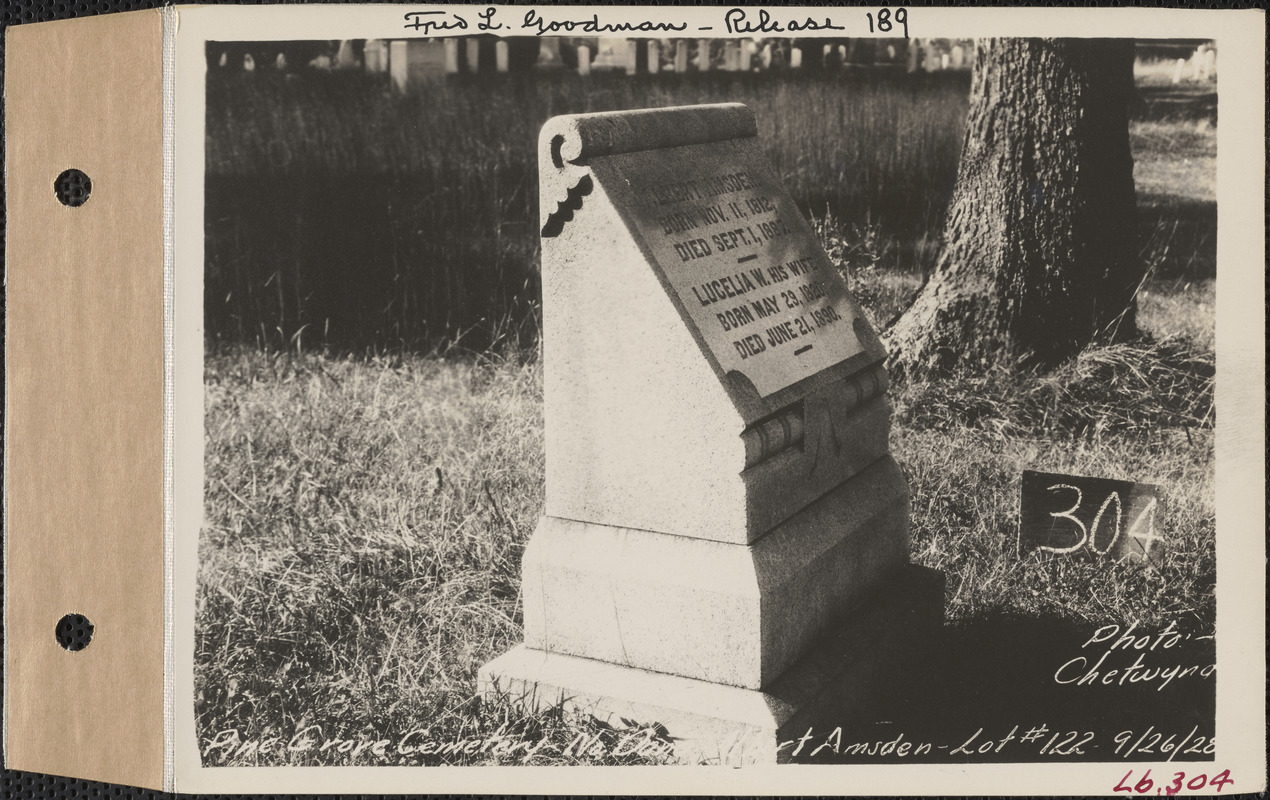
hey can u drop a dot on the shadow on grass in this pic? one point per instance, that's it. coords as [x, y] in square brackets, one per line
[997, 676]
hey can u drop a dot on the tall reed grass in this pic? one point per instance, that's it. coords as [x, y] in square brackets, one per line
[342, 214]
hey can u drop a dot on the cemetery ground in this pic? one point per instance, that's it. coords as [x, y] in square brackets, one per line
[366, 514]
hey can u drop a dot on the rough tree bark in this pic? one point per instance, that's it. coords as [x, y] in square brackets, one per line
[1040, 255]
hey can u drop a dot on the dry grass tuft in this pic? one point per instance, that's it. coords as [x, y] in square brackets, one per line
[1135, 388]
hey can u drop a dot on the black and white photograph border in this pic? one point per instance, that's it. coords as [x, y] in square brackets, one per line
[422, 396]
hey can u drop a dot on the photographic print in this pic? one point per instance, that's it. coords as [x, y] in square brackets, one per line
[716, 400]
[738, 395]
[374, 382]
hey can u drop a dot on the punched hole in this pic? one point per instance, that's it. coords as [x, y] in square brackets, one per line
[74, 632]
[72, 188]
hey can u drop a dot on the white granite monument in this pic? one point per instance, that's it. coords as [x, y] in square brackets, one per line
[724, 549]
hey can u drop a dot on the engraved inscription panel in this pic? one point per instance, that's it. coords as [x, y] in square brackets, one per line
[737, 253]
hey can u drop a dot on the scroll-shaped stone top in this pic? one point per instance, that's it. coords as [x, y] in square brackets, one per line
[712, 219]
[573, 140]
[577, 138]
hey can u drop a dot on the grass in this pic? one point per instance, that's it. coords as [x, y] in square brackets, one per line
[349, 216]
[1140, 412]
[366, 521]
[366, 515]
[362, 554]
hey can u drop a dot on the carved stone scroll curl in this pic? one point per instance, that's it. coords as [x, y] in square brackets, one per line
[567, 145]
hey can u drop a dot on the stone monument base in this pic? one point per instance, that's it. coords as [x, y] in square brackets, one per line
[863, 667]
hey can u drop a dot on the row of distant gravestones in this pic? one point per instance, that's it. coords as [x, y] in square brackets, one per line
[423, 58]
[1202, 65]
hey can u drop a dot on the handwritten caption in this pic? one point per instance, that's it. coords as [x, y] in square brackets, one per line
[1132, 656]
[1036, 741]
[1039, 740]
[1195, 783]
[422, 746]
[880, 21]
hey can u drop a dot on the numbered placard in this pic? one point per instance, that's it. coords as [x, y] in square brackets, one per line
[1069, 514]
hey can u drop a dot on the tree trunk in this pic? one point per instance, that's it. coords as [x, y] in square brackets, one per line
[1040, 255]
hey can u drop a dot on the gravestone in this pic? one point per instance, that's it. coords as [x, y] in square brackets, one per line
[610, 54]
[415, 61]
[1210, 61]
[681, 56]
[930, 56]
[376, 55]
[345, 57]
[724, 548]
[399, 64]
[451, 56]
[426, 59]
[549, 54]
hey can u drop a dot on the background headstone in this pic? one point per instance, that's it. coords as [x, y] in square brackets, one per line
[376, 55]
[681, 56]
[399, 64]
[610, 53]
[549, 54]
[345, 58]
[930, 56]
[451, 56]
